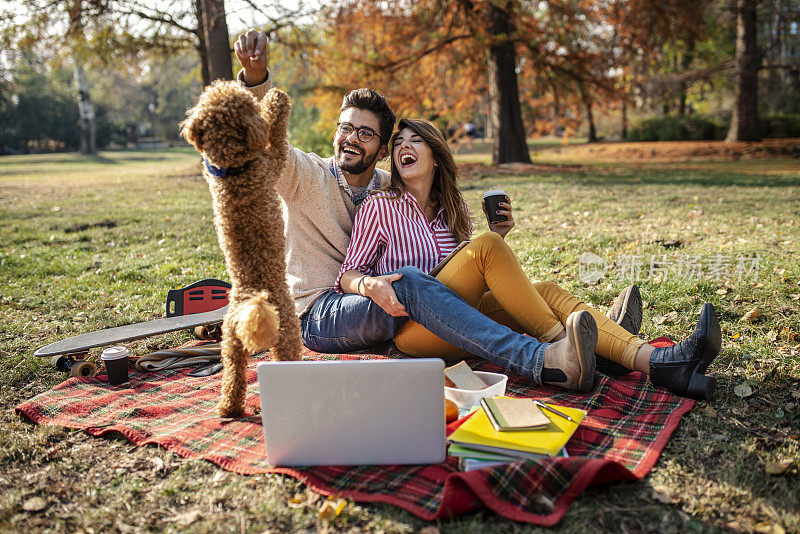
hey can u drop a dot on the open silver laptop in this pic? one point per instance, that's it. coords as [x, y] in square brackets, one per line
[353, 412]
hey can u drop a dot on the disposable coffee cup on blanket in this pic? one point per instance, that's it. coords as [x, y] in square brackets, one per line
[116, 361]
[493, 199]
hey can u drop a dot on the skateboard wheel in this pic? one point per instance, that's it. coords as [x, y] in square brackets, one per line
[60, 362]
[215, 331]
[208, 332]
[83, 369]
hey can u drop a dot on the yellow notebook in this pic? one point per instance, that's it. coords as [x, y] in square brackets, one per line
[478, 433]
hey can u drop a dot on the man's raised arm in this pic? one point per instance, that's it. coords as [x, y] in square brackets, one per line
[302, 173]
[251, 51]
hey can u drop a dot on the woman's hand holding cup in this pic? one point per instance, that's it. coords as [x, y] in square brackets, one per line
[496, 206]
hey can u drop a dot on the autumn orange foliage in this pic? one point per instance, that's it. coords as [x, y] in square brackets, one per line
[429, 57]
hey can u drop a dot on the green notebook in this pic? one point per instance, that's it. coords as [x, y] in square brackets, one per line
[465, 452]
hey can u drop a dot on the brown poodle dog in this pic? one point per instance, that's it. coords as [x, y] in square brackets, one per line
[244, 149]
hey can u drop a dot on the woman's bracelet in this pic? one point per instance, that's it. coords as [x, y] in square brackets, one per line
[358, 286]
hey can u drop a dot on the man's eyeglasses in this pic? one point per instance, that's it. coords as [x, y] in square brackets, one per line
[364, 133]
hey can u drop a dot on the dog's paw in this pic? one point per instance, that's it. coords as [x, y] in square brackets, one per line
[275, 108]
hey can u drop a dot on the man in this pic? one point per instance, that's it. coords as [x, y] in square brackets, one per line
[322, 197]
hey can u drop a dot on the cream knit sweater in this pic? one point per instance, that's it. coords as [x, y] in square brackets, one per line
[318, 217]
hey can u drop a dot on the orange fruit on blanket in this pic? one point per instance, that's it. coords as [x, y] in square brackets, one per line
[450, 411]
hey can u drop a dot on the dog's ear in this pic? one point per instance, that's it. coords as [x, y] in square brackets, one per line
[191, 130]
[256, 133]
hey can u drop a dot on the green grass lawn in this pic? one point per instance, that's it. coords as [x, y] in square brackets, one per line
[89, 243]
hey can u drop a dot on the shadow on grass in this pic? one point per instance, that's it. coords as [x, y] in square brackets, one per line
[106, 156]
[603, 177]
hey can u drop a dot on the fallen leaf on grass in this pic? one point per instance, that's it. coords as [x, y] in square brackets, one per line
[332, 507]
[662, 494]
[34, 504]
[722, 291]
[185, 519]
[752, 316]
[660, 497]
[770, 528]
[743, 390]
[666, 318]
[297, 501]
[158, 464]
[709, 411]
[777, 468]
[772, 335]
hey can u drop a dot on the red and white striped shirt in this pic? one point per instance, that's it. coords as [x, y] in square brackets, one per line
[391, 233]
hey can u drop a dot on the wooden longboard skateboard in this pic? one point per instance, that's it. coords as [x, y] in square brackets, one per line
[70, 354]
[130, 332]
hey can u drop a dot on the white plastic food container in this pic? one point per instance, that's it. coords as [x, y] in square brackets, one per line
[467, 398]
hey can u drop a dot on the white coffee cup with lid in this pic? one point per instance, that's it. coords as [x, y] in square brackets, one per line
[116, 361]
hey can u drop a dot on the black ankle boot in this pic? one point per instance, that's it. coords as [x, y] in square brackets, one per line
[626, 312]
[681, 368]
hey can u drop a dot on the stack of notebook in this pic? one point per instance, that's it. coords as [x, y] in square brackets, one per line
[504, 430]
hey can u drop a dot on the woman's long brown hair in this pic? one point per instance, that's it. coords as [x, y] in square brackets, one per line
[444, 189]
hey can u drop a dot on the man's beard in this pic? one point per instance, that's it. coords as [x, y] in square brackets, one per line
[357, 167]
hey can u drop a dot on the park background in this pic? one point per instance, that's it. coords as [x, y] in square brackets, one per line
[659, 137]
[121, 73]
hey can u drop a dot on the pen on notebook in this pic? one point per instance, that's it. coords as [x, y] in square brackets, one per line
[544, 406]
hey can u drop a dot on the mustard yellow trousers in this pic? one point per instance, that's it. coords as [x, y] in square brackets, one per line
[488, 276]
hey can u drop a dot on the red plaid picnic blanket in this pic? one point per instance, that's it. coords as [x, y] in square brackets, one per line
[628, 425]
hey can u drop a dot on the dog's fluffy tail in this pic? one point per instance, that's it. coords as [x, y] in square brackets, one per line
[257, 323]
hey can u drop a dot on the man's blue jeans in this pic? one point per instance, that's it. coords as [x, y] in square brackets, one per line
[346, 323]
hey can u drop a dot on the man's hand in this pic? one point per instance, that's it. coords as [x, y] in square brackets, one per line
[380, 290]
[501, 227]
[251, 50]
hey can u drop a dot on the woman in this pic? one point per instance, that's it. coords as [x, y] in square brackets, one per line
[423, 194]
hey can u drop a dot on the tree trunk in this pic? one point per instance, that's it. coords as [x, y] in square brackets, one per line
[624, 133]
[744, 118]
[86, 112]
[686, 62]
[509, 142]
[218, 48]
[201, 43]
[587, 103]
